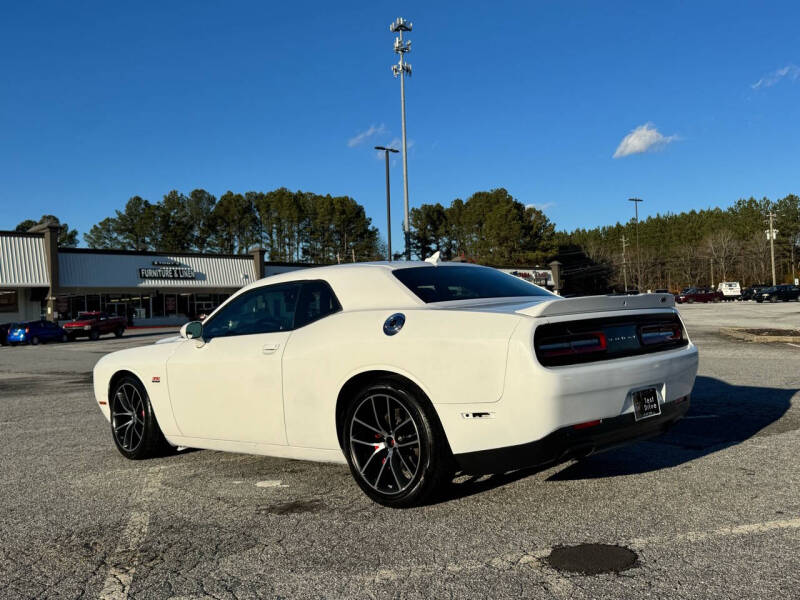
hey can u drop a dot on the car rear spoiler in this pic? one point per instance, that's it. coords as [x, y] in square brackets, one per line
[590, 304]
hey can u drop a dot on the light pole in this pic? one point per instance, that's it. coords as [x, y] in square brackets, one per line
[638, 255]
[388, 203]
[401, 68]
[771, 235]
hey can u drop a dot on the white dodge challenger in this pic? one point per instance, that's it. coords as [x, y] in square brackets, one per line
[408, 371]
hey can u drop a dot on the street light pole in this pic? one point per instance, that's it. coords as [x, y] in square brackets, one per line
[401, 68]
[388, 203]
[638, 254]
[624, 272]
[772, 244]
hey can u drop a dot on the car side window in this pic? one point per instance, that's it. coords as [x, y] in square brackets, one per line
[317, 300]
[266, 309]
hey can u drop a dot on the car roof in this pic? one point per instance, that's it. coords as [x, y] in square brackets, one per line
[360, 286]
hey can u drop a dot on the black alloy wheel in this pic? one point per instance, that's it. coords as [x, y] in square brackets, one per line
[395, 445]
[133, 423]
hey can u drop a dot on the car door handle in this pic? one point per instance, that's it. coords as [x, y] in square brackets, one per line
[269, 348]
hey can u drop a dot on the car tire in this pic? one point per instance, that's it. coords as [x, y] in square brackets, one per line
[134, 428]
[411, 458]
[35, 340]
[690, 301]
[64, 338]
[118, 332]
[774, 299]
[94, 335]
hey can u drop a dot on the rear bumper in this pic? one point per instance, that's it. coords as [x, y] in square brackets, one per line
[567, 443]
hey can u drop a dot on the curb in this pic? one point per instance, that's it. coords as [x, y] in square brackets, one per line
[741, 334]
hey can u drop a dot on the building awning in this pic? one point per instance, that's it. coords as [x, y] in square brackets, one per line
[115, 270]
[22, 261]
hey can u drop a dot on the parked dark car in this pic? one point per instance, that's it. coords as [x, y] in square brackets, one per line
[750, 292]
[4, 333]
[94, 324]
[698, 294]
[783, 292]
[34, 332]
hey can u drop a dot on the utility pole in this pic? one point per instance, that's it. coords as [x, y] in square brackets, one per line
[638, 255]
[624, 272]
[711, 263]
[401, 68]
[771, 235]
[388, 203]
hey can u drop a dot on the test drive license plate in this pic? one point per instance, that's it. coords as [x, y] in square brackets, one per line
[645, 404]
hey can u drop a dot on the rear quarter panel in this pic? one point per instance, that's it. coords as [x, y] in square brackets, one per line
[453, 356]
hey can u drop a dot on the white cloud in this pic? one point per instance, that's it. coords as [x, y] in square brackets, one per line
[645, 138]
[397, 144]
[542, 207]
[362, 137]
[791, 72]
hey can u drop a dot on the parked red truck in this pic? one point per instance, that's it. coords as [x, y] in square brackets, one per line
[94, 324]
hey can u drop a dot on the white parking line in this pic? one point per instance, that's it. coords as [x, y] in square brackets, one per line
[118, 581]
[560, 585]
[697, 536]
[791, 344]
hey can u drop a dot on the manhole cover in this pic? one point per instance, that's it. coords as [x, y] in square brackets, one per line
[592, 559]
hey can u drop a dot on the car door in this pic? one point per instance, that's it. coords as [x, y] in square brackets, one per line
[228, 386]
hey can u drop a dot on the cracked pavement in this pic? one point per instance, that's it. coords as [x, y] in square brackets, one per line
[712, 508]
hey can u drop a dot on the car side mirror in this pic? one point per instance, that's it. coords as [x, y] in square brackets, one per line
[193, 330]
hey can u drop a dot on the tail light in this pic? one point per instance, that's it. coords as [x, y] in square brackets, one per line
[27, 330]
[660, 333]
[571, 345]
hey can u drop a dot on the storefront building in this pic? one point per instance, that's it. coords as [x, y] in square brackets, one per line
[40, 280]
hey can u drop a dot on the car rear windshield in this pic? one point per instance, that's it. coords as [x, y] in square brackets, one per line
[440, 284]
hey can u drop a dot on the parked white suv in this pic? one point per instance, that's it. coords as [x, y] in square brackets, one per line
[731, 290]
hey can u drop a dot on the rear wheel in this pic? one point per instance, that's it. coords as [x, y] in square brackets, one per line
[394, 445]
[35, 340]
[118, 332]
[133, 423]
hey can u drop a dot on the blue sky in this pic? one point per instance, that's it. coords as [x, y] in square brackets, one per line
[105, 100]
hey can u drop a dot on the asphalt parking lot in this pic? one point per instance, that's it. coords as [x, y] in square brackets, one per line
[711, 509]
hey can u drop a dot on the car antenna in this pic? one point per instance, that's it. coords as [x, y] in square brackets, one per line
[434, 258]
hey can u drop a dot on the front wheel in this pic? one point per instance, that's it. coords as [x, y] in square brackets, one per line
[64, 338]
[118, 332]
[94, 335]
[35, 341]
[133, 423]
[394, 445]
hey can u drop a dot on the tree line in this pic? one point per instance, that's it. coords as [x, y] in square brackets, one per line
[699, 247]
[291, 226]
[490, 228]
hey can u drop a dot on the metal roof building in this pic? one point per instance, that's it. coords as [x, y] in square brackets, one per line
[38, 279]
[22, 260]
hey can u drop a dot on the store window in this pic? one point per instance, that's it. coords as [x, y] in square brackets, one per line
[9, 301]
